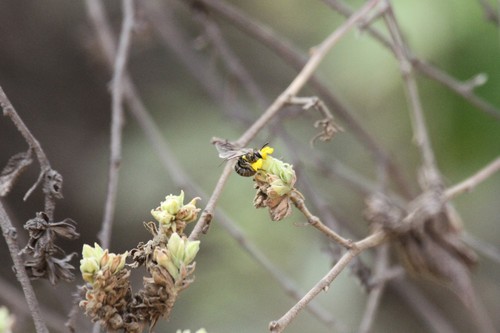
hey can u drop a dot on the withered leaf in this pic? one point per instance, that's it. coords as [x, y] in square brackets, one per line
[14, 168]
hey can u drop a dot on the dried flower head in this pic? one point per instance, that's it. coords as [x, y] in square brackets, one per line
[39, 254]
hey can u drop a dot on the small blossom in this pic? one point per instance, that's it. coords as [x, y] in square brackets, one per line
[175, 248]
[178, 255]
[192, 248]
[96, 259]
[275, 182]
[173, 203]
[173, 215]
[189, 213]
[163, 259]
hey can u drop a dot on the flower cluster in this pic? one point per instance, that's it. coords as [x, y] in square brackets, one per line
[177, 257]
[97, 261]
[39, 255]
[275, 182]
[169, 259]
[173, 215]
[108, 291]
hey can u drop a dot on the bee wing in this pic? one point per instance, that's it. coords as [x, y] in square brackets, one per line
[229, 151]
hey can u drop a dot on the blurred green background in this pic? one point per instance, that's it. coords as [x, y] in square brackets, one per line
[52, 71]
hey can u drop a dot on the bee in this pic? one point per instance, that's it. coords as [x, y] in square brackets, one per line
[246, 156]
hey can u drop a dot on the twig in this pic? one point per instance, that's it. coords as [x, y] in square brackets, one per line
[470, 183]
[373, 240]
[52, 187]
[373, 302]
[423, 67]
[117, 88]
[286, 283]
[421, 136]
[10, 235]
[313, 220]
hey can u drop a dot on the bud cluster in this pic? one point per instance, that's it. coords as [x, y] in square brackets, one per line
[173, 215]
[169, 259]
[275, 182]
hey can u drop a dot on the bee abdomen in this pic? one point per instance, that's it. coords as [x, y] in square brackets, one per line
[244, 168]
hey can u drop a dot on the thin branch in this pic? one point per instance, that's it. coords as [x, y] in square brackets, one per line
[420, 133]
[462, 89]
[315, 221]
[381, 266]
[285, 282]
[9, 111]
[52, 180]
[373, 240]
[470, 183]
[117, 87]
[10, 235]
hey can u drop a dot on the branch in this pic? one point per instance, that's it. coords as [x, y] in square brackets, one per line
[315, 221]
[420, 134]
[381, 266]
[463, 89]
[373, 240]
[52, 180]
[10, 235]
[117, 87]
[470, 183]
